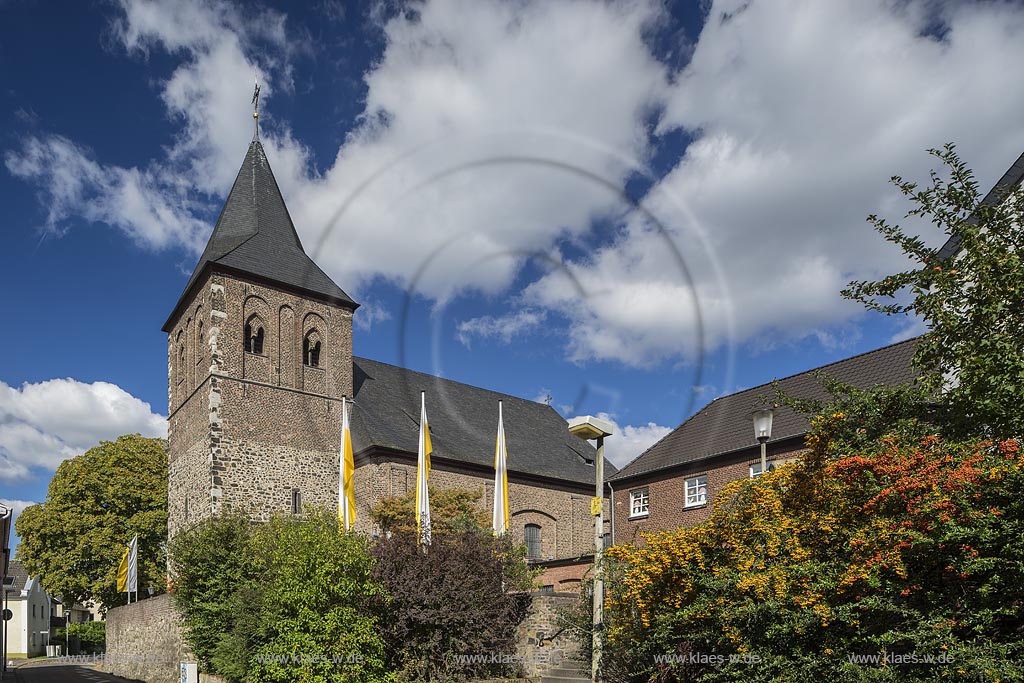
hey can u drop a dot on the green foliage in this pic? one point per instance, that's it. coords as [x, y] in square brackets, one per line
[461, 598]
[318, 604]
[451, 510]
[92, 636]
[911, 547]
[973, 303]
[86, 638]
[95, 503]
[290, 600]
[216, 575]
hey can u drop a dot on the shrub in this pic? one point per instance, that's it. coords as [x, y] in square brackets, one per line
[460, 599]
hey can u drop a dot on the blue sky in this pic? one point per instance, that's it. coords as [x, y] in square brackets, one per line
[629, 207]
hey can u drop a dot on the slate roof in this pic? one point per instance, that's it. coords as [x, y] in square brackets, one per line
[254, 235]
[17, 570]
[725, 424]
[1011, 179]
[463, 423]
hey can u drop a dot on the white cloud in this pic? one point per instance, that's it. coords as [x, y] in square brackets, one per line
[800, 112]
[44, 423]
[504, 327]
[494, 132]
[629, 441]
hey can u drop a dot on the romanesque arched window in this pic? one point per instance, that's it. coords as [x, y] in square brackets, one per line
[531, 535]
[311, 349]
[254, 335]
[296, 501]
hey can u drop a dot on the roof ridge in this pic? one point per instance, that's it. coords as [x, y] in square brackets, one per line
[810, 370]
[762, 386]
[447, 379]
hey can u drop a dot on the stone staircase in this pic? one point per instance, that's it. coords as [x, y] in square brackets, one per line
[568, 671]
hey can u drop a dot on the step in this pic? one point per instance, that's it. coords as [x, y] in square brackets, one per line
[567, 672]
[564, 679]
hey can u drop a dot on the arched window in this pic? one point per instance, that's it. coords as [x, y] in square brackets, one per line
[296, 501]
[531, 534]
[254, 335]
[181, 364]
[311, 349]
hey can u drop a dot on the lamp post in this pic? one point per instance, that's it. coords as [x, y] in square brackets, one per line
[588, 427]
[763, 432]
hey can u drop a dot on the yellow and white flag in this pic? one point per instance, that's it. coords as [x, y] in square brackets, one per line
[346, 471]
[422, 474]
[128, 570]
[500, 516]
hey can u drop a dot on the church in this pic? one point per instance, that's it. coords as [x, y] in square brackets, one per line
[259, 360]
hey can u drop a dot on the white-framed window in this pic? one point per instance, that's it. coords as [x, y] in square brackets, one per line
[639, 502]
[755, 470]
[696, 491]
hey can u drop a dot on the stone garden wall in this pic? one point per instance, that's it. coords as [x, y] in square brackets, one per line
[144, 641]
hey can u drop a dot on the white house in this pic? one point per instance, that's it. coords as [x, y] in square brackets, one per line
[28, 630]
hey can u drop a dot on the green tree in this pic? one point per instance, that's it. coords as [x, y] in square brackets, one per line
[216, 577]
[972, 355]
[289, 600]
[94, 505]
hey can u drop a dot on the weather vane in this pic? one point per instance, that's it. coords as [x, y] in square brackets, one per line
[256, 110]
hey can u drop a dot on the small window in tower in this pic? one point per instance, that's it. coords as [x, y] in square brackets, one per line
[181, 363]
[254, 336]
[296, 501]
[531, 534]
[311, 349]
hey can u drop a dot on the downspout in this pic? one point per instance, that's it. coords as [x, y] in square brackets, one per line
[612, 506]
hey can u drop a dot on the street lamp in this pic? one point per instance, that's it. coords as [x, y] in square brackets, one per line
[763, 432]
[588, 427]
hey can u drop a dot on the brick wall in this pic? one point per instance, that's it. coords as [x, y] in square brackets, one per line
[144, 641]
[563, 513]
[667, 509]
[565, 577]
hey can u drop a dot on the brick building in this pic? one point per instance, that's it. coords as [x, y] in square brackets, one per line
[259, 358]
[674, 482]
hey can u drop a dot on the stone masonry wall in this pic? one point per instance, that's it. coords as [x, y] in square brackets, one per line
[540, 640]
[246, 429]
[667, 498]
[144, 641]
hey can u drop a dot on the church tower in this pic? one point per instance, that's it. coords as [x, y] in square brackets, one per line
[259, 358]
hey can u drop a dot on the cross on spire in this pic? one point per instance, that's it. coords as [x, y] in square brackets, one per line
[256, 111]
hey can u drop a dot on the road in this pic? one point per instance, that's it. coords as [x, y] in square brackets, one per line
[62, 672]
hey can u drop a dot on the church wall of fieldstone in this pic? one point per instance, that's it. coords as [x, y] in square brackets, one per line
[243, 432]
[247, 430]
[567, 529]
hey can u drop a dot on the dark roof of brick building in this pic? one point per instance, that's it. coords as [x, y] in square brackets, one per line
[1013, 177]
[254, 235]
[725, 425]
[463, 423]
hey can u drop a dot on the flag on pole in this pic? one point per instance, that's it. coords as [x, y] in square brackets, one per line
[500, 516]
[422, 474]
[346, 469]
[128, 570]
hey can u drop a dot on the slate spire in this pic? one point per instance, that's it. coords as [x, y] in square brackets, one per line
[254, 236]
